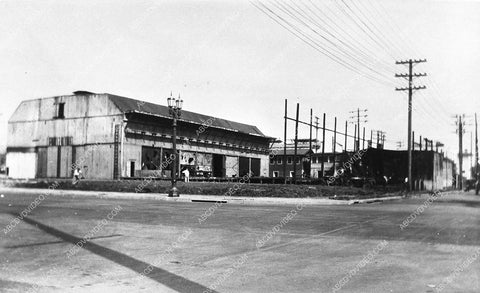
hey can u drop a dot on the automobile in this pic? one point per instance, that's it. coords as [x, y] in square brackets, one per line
[470, 184]
[361, 182]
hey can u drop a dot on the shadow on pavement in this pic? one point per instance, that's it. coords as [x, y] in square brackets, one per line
[58, 242]
[467, 203]
[159, 275]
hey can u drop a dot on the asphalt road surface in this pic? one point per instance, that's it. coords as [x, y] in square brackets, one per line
[85, 244]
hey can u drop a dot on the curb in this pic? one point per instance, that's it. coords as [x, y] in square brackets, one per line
[375, 200]
[196, 198]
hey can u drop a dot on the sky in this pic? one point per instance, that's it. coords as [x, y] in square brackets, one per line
[229, 59]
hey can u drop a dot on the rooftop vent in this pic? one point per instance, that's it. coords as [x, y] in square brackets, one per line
[83, 93]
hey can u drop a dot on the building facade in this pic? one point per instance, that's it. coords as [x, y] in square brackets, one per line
[110, 137]
[430, 170]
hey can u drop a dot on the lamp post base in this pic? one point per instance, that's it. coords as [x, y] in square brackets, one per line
[173, 192]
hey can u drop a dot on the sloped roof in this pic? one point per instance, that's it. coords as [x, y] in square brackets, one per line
[291, 152]
[127, 105]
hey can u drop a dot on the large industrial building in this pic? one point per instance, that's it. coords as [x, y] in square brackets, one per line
[111, 137]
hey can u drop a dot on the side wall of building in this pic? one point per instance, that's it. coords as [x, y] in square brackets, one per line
[443, 172]
[44, 141]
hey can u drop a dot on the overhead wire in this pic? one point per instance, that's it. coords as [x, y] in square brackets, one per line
[309, 27]
[292, 28]
[354, 17]
[406, 41]
[348, 54]
[345, 32]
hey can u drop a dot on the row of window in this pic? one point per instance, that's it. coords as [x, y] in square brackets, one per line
[315, 160]
[60, 141]
[277, 174]
[280, 161]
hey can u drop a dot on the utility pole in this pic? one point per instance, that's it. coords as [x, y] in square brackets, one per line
[295, 147]
[471, 155]
[410, 90]
[310, 146]
[316, 134]
[334, 146]
[323, 145]
[460, 131]
[363, 139]
[285, 145]
[356, 120]
[346, 136]
[413, 141]
[370, 144]
[355, 139]
[476, 156]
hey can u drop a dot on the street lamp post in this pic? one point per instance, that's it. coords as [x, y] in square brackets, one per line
[175, 107]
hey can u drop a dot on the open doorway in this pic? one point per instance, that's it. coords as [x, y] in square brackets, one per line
[218, 164]
[132, 168]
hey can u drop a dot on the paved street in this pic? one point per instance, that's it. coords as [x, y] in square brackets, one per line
[157, 246]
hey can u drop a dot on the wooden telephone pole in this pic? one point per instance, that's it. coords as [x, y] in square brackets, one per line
[360, 116]
[460, 131]
[477, 187]
[410, 90]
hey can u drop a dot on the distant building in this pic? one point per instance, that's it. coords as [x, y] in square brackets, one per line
[309, 162]
[278, 159]
[110, 137]
[431, 170]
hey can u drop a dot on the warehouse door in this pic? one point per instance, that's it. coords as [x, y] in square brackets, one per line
[243, 166]
[52, 159]
[42, 160]
[255, 167]
[65, 164]
[218, 163]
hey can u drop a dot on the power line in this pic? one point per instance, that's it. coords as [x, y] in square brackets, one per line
[338, 39]
[383, 37]
[336, 47]
[345, 32]
[312, 43]
[360, 26]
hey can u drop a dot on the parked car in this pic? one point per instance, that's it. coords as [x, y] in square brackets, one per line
[362, 182]
[470, 184]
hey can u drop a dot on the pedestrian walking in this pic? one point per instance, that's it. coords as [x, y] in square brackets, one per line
[76, 175]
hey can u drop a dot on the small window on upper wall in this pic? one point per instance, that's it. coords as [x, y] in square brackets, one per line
[61, 111]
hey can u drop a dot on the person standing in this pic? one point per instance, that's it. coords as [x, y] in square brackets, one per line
[186, 173]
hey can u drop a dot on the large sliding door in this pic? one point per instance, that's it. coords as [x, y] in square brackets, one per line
[42, 159]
